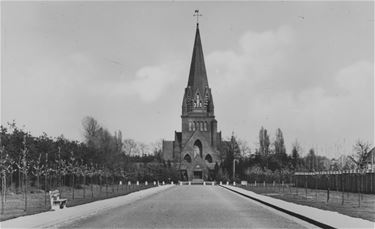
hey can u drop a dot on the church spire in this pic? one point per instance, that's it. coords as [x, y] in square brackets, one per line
[197, 76]
[198, 97]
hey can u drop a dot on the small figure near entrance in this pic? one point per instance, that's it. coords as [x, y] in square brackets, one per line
[196, 151]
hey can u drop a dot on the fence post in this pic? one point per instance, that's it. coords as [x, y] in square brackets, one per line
[342, 188]
[306, 176]
[295, 184]
[112, 184]
[3, 181]
[348, 182]
[73, 185]
[328, 187]
[371, 181]
[359, 192]
[363, 187]
[316, 186]
[26, 182]
[92, 190]
[106, 185]
[45, 189]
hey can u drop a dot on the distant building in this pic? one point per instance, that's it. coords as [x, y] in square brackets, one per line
[195, 150]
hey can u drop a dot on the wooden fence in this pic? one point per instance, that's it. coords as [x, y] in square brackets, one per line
[345, 181]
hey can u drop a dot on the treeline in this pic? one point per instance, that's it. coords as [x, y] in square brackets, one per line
[25, 158]
[270, 159]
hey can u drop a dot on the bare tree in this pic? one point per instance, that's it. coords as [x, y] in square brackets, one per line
[118, 141]
[156, 146]
[296, 155]
[361, 152]
[244, 148]
[91, 128]
[84, 172]
[157, 149]
[62, 168]
[279, 143]
[142, 149]
[264, 142]
[91, 173]
[6, 164]
[25, 167]
[311, 160]
[73, 169]
[129, 147]
[38, 169]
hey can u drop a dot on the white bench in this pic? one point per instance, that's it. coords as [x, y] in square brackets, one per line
[56, 202]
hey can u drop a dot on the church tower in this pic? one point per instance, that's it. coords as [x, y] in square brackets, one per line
[194, 152]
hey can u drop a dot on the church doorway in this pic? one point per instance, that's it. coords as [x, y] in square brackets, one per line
[197, 174]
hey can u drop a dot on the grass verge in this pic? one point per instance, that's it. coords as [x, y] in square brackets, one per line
[355, 205]
[38, 201]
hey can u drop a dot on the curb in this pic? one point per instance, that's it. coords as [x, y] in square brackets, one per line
[299, 216]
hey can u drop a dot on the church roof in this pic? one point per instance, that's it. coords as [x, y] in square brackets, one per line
[197, 75]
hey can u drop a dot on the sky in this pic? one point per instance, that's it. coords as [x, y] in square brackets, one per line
[304, 67]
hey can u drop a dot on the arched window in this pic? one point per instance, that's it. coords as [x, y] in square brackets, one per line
[208, 158]
[198, 149]
[197, 101]
[187, 158]
[201, 126]
[205, 126]
[193, 126]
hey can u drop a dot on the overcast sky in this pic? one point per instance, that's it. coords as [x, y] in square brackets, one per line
[307, 68]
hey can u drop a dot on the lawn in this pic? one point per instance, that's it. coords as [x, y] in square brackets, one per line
[355, 205]
[38, 201]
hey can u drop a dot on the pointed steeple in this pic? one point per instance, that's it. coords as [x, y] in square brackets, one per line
[197, 76]
[198, 97]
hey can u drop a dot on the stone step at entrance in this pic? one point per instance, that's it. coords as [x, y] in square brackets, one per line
[197, 181]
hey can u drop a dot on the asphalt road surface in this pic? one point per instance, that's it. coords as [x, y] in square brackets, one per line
[193, 206]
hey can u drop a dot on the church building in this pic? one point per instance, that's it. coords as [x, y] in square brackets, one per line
[195, 150]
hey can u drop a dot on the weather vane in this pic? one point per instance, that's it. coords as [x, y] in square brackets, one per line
[197, 14]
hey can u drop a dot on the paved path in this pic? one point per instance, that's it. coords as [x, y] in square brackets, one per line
[192, 207]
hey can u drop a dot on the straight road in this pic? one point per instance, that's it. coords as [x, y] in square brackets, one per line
[193, 206]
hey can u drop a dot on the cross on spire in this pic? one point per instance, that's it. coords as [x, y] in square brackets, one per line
[197, 14]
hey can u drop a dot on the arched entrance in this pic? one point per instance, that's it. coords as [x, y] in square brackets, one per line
[197, 173]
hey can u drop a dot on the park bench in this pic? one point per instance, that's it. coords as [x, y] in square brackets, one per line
[56, 202]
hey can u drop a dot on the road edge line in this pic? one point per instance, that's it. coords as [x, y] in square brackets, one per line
[299, 216]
